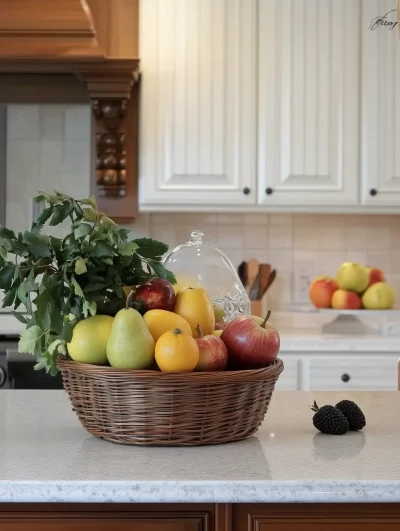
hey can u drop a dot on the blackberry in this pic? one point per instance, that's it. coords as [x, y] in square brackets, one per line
[355, 417]
[329, 419]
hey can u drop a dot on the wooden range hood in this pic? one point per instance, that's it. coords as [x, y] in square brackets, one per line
[70, 51]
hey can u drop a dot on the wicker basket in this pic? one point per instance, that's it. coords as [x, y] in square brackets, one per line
[169, 409]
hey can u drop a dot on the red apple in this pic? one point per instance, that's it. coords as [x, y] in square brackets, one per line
[213, 354]
[321, 290]
[345, 300]
[156, 294]
[375, 275]
[251, 343]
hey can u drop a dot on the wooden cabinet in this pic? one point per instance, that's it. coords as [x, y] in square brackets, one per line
[133, 517]
[308, 93]
[316, 517]
[380, 153]
[198, 103]
[200, 517]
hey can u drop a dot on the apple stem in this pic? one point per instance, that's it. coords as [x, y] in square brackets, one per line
[266, 318]
[199, 331]
[129, 299]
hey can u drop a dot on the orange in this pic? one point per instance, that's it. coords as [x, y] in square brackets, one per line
[176, 351]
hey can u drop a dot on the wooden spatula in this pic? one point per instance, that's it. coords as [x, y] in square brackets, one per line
[252, 272]
[265, 271]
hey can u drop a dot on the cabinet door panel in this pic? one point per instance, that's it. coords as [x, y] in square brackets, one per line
[380, 169]
[353, 373]
[198, 108]
[159, 524]
[308, 102]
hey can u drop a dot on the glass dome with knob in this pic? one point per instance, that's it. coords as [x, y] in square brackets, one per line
[197, 263]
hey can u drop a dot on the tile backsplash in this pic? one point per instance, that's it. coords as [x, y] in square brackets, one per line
[48, 146]
[299, 246]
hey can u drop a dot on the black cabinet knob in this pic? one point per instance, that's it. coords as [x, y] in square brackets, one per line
[246, 191]
[373, 191]
[345, 378]
[268, 191]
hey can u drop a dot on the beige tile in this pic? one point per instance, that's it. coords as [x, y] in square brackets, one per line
[378, 238]
[164, 233]
[230, 236]
[331, 237]
[305, 237]
[140, 227]
[328, 262]
[382, 260]
[318, 219]
[356, 256]
[255, 236]
[279, 237]
[395, 263]
[23, 122]
[52, 122]
[230, 218]
[280, 260]
[280, 219]
[278, 297]
[262, 255]
[255, 219]
[355, 238]
[395, 238]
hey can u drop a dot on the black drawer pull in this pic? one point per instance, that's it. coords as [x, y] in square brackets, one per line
[373, 191]
[246, 191]
[345, 378]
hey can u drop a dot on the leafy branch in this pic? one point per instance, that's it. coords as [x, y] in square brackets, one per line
[61, 281]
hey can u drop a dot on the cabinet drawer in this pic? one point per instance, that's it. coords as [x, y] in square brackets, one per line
[356, 373]
[288, 378]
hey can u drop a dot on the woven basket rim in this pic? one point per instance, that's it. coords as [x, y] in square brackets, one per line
[276, 367]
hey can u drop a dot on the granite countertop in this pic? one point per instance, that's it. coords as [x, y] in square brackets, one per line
[48, 457]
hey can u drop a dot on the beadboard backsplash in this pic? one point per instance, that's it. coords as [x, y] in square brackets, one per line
[48, 146]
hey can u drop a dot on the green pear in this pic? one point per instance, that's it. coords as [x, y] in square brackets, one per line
[130, 344]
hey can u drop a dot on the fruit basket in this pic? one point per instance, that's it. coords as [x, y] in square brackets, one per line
[144, 360]
[167, 409]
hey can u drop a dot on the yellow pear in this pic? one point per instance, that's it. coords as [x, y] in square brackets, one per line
[195, 306]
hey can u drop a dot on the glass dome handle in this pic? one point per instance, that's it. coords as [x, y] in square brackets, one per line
[196, 237]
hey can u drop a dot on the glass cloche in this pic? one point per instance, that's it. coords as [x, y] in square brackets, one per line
[197, 263]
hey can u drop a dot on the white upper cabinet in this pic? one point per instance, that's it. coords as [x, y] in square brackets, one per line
[380, 146]
[308, 94]
[198, 102]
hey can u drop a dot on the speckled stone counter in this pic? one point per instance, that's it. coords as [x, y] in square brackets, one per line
[48, 457]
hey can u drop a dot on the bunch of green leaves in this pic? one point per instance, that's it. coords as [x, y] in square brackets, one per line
[61, 281]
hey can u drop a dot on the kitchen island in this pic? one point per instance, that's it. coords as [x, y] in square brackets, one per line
[286, 475]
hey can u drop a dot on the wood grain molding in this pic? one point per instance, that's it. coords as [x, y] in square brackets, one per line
[288, 517]
[45, 28]
[50, 50]
[3, 162]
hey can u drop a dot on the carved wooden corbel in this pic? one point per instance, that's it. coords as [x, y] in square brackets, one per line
[113, 96]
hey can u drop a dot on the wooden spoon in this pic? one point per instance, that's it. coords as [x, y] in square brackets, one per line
[253, 266]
